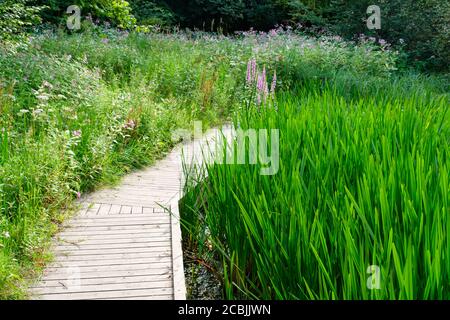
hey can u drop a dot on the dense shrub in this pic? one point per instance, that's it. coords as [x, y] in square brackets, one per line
[419, 26]
[152, 13]
[17, 17]
[118, 12]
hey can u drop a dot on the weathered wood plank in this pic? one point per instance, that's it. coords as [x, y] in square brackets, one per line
[63, 274]
[147, 240]
[157, 267]
[110, 257]
[84, 288]
[104, 209]
[149, 292]
[105, 280]
[105, 248]
[153, 232]
[113, 228]
[115, 209]
[132, 217]
[109, 262]
[112, 234]
[125, 209]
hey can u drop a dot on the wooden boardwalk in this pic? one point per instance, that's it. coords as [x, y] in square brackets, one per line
[125, 242]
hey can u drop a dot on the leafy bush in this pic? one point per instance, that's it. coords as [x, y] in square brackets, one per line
[17, 17]
[420, 27]
[151, 13]
[117, 12]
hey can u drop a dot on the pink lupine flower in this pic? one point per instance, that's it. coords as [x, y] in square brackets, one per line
[262, 86]
[251, 71]
[260, 83]
[78, 195]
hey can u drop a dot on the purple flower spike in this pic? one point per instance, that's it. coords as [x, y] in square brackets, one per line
[266, 91]
[253, 69]
[249, 72]
[260, 83]
[274, 83]
[264, 75]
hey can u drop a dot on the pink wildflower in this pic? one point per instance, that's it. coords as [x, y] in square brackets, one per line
[253, 69]
[249, 72]
[130, 125]
[274, 83]
[260, 83]
[76, 133]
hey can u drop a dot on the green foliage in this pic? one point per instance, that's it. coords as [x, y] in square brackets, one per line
[17, 17]
[420, 27]
[151, 13]
[117, 12]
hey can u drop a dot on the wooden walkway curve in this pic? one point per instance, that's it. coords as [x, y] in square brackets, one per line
[125, 242]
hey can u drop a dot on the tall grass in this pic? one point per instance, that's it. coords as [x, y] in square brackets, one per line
[79, 111]
[363, 181]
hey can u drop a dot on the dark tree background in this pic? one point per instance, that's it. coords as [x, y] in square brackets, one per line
[420, 27]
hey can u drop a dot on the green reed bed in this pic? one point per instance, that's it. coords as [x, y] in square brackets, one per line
[362, 182]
